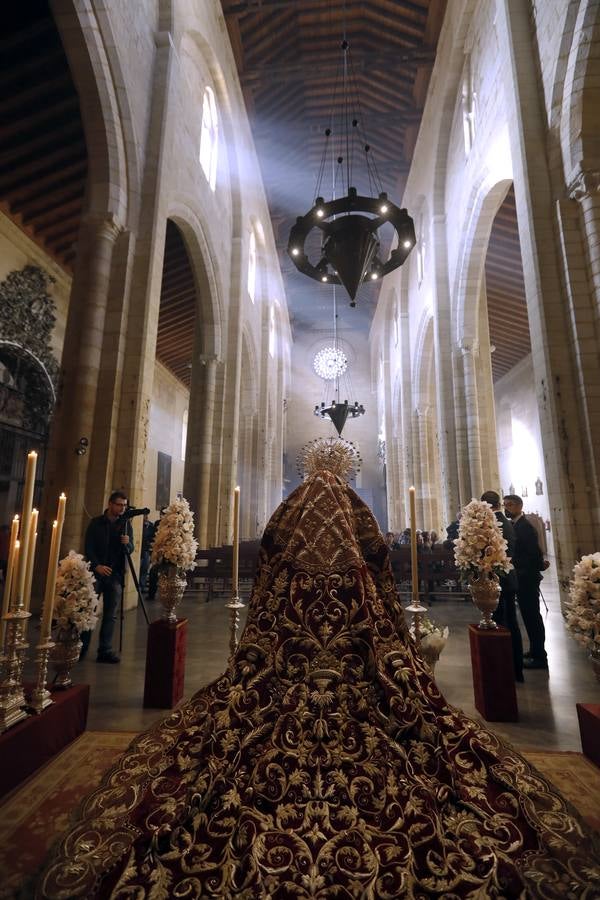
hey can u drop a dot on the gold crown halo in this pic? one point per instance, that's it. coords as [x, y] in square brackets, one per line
[335, 454]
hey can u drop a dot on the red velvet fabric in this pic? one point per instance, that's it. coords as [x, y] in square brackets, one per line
[589, 727]
[165, 664]
[34, 741]
[493, 674]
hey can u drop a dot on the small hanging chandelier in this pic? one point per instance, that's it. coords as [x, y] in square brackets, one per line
[331, 365]
[350, 251]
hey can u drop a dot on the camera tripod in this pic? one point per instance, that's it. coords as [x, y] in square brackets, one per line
[136, 582]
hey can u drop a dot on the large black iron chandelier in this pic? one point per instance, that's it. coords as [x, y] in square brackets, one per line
[350, 247]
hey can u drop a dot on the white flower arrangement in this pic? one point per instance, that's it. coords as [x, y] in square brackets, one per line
[174, 543]
[76, 601]
[432, 635]
[480, 548]
[582, 612]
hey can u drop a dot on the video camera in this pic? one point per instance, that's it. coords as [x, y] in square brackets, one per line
[132, 511]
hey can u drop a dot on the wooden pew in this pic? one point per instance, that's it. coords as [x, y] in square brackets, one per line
[438, 575]
[213, 570]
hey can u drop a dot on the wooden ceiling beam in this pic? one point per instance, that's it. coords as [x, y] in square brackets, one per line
[55, 214]
[18, 38]
[178, 326]
[32, 234]
[25, 173]
[50, 58]
[32, 188]
[34, 120]
[49, 200]
[53, 232]
[33, 95]
[319, 68]
[43, 142]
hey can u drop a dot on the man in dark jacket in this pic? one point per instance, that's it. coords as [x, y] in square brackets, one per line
[107, 539]
[506, 613]
[529, 563]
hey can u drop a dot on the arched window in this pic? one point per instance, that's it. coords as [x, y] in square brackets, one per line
[209, 138]
[252, 266]
[184, 428]
[469, 108]
[421, 249]
[272, 335]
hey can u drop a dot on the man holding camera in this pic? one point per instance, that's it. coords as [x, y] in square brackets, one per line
[107, 539]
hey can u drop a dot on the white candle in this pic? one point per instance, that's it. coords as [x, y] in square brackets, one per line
[414, 566]
[25, 521]
[13, 586]
[236, 540]
[10, 567]
[60, 515]
[50, 587]
[30, 557]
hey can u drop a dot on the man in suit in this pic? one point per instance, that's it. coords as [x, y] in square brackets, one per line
[506, 613]
[529, 563]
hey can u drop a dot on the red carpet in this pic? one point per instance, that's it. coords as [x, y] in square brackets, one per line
[37, 813]
[34, 815]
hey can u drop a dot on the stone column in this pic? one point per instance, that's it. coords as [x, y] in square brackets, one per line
[197, 471]
[556, 341]
[231, 396]
[76, 414]
[442, 325]
[586, 190]
[405, 417]
[460, 431]
[424, 421]
[470, 358]
[485, 400]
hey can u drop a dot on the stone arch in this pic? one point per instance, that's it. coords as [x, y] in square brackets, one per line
[452, 77]
[486, 198]
[205, 267]
[581, 91]
[423, 345]
[113, 154]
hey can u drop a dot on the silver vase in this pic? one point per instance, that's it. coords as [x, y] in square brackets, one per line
[171, 586]
[64, 655]
[486, 594]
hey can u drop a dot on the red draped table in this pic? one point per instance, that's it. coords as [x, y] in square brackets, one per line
[589, 727]
[165, 663]
[34, 741]
[493, 674]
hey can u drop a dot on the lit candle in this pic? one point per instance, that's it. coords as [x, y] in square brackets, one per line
[25, 522]
[50, 588]
[30, 557]
[60, 515]
[10, 567]
[413, 547]
[236, 540]
[13, 586]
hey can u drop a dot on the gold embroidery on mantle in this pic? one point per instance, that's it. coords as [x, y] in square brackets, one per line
[324, 763]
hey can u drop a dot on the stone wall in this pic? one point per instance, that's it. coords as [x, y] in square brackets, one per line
[141, 71]
[512, 100]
